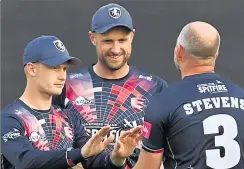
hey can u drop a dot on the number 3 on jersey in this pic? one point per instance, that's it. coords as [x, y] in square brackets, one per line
[226, 140]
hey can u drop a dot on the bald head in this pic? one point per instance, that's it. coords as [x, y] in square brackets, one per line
[200, 39]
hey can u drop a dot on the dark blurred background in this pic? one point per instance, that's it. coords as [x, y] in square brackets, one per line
[157, 24]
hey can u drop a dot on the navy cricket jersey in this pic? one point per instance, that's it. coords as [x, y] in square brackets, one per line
[39, 139]
[117, 102]
[198, 123]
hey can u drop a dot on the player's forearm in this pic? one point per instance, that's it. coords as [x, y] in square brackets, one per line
[41, 159]
[37, 159]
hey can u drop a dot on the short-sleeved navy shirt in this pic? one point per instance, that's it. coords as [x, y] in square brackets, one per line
[198, 123]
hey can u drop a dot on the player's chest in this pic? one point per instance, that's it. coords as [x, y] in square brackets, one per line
[133, 93]
[49, 131]
[108, 97]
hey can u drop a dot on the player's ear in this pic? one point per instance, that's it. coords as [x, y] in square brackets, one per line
[132, 33]
[31, 69]
[217, 55]
[92, 37]
[179, 53]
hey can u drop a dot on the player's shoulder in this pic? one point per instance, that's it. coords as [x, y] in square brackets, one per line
[170, 97]
[161, 104]
[12, 109]
[144, 75]
[165, 102]
[232, 86]
[173, 90]
[186, 90]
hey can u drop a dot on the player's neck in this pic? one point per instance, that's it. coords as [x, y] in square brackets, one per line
[35, 99]
[106, 73]
[196, 70]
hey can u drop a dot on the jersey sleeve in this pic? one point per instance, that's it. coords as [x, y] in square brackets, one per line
[154, 131]
[102, 160]
[162, 84]
[17, 149]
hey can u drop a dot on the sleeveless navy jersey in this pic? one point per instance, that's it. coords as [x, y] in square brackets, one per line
[40, 139]
[198, 123]
[119, 103]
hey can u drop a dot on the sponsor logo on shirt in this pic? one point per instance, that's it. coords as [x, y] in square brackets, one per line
[11, 135]
[214, 87]
[149, 78]
[76, 76]
[83, 101]
[35, 136]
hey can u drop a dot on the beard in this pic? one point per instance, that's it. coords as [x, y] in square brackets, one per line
[113, 66]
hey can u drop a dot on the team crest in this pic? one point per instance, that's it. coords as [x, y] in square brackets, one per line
[114, 12]
[138, 104]
[59, 45]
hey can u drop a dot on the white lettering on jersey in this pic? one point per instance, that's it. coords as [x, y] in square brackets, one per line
[76, 76]
[15, 133]
[212, 103]
[130, 124]
[79, 101]
[149, 78]
[215, 87]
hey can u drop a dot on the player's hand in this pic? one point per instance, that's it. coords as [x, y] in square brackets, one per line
[125, 145]
[97, 143]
